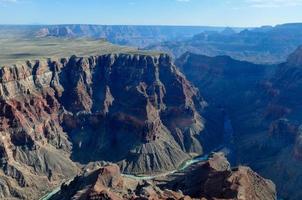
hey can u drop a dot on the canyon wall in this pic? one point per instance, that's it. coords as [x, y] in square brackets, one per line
[135, 110]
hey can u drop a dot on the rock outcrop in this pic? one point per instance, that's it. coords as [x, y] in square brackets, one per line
[107, 182]
[212, 179]
[132, 109]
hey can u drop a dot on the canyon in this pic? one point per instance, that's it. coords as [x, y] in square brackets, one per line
[85, 119]
[60, 116]
[262, 102]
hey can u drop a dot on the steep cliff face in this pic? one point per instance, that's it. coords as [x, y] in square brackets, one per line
[264, 107]
[140, 106]
[224, 81]
[283, 117]
[136, 110]
[34, 149]
[212, 179]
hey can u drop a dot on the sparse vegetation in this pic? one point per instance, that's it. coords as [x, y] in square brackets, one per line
[19, 50]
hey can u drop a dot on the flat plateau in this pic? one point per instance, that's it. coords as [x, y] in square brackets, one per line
[14, 51]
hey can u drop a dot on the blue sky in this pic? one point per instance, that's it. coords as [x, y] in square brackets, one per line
[155, 12]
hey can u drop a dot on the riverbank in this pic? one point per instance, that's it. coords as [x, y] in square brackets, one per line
[185, 165]
[55, 191]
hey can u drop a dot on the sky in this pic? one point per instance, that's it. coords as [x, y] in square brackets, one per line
[239, 13]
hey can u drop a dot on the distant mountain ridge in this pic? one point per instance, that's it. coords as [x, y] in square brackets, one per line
[264, 45]
[133, 35]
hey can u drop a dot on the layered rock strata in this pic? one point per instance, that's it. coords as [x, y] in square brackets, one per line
[133, 109]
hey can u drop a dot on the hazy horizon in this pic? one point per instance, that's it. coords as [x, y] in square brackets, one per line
[172, 25]
[231, 13]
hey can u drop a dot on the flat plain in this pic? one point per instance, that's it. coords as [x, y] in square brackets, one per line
[13, 51]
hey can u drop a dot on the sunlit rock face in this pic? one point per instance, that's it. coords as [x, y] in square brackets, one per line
[133, 109]
[212, 179]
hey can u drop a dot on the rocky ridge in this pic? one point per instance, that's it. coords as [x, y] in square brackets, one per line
[263, 45]
[138, 36]
[212, 179]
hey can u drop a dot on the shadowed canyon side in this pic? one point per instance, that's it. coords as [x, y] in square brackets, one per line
[223, 80]
[263, 105]
[212, 179]
[136, 110]
[140, 106]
